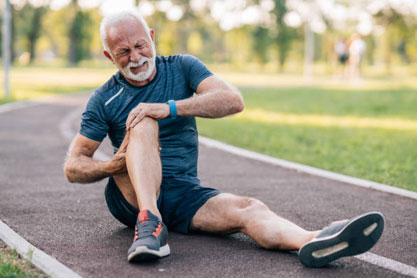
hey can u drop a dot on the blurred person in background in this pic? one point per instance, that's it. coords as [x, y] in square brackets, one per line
[342, 52]
[357, 47]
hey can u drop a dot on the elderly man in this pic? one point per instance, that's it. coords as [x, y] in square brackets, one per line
[147, 109]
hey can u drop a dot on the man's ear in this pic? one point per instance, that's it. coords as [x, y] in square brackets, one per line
[107, 54]
[152, 32]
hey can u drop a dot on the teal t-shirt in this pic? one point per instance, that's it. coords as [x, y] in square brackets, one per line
[177, 77]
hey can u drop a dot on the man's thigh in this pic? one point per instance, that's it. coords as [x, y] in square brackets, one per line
[222, 214]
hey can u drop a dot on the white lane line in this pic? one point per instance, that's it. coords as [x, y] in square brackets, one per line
[16, 105]
[46, 263]
[306, 169]
[386, 263]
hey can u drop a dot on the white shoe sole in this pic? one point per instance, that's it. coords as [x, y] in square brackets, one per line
[143, 253]
[357, 237]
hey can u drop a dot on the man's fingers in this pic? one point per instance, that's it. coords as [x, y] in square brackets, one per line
[137, 120]
[123, 146]
[131, 117]
[129, 120]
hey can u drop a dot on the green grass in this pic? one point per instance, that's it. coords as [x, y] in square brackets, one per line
[398, 102]
[367, 146]
[35, 82]
[13, 266]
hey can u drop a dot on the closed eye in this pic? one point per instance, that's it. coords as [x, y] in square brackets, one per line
[123, 52]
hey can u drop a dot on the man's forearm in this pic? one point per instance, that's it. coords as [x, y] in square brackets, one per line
[212, 104]
[83, 169]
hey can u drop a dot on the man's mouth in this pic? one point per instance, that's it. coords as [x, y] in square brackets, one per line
[139, 67]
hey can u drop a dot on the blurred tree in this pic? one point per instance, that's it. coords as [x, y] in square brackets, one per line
[370, 49]
[261, 44]
[14, 33]
[185, 26]
[285, 33]
[398, 33]
[30, 19]
[405, 33]
[79, 34]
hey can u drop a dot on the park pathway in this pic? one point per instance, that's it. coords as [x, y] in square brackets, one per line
[71, 222]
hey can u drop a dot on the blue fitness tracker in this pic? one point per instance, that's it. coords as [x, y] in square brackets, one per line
[172, 108]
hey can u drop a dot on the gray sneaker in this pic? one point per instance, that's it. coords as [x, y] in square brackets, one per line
[343, 238]
[150, 241]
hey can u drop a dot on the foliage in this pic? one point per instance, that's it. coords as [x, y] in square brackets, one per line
[261, 44]
[72, 32]
[79, 35]
[285, 33]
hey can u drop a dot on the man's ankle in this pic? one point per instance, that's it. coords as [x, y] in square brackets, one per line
[154, 211]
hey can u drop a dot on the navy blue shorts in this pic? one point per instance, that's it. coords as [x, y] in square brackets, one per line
[178, 201]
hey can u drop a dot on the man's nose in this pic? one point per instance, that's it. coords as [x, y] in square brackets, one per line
[135, 56]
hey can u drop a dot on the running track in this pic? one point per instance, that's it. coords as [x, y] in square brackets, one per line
[71, 223]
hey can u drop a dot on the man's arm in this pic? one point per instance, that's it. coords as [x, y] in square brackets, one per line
[215, 99]
[80, 167]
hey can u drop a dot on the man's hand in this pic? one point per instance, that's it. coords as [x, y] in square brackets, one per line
[155, 111]
[117, 164]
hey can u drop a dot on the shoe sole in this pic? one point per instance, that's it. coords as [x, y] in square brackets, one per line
[143, 253]
[357, 237]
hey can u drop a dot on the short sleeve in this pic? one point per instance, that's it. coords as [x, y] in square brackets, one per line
[93, 121]
[194, 70]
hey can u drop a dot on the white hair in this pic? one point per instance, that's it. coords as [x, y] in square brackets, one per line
[115, 18]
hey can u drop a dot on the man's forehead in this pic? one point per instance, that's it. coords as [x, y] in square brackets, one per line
[131, 29]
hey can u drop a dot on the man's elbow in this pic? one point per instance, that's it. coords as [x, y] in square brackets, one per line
[238, 104]
[69, 173]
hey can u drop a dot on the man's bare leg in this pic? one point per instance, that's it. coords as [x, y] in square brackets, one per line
[142, 184]
[227, 213]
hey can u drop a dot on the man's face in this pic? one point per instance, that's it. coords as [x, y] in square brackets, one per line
[132, 51]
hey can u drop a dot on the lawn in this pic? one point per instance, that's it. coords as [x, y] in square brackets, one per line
[365, 131]
[34, 82]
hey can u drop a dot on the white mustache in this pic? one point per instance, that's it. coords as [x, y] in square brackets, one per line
[141, 61]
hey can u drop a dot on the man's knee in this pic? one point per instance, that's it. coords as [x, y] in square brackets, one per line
[243, 207]
[146, 127]
[249, 204]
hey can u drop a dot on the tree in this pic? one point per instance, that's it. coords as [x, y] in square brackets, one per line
[79, 34]
[261, 44]
[285, 33]
[31, 20]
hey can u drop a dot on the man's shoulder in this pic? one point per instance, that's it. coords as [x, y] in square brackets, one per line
[178, 58]
[181, 64]
[108, 89]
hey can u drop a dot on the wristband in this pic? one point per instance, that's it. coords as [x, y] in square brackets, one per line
[172, 108]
